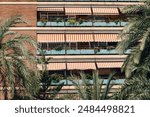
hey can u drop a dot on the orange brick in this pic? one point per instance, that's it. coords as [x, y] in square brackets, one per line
[28, 12]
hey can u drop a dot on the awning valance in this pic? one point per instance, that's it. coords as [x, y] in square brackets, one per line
[105, 11]
[50, 9]
[44, 38]
[80, 66]
[109, 64]
[106, 37]
[79, 38]
[53, 66]
[78, 11]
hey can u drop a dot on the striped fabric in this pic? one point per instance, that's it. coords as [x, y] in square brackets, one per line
[109, 64]
[50, 9]
[43, 38]
[106, 38]
[80, 66]
[53, 66]
[78, 11]
[79, 38]
[105, 11]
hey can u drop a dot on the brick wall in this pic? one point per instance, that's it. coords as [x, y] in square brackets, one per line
[28, 12]
[30, 33]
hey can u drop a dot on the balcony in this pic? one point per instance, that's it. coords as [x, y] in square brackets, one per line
[83, 24]
[80, 17]
[83, 52]
[105, 81]
[88, 0]
[79, 43]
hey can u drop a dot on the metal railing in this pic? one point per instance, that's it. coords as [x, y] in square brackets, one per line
[83, 52]
[83, 24]
[105, 81]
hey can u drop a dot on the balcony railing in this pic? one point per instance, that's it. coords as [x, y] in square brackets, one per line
[83, 52]
[88, 0]
[83, 24]
[105, 81]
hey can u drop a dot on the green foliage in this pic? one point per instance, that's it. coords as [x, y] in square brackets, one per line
[59, 20]
[44, 21]
[92, 89]
[72, 21]
[15, 58]
[47, 91]
[136, 36]
[59, 48]
[137, 88]
[81, 20]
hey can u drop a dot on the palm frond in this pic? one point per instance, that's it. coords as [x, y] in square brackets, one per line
[15, 58]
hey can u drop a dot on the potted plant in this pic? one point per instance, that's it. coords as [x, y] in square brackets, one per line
[59, 20]
[44, 21]
[107, 20]
[118, 21]
[97, 49]
[81, 20]
[58, 48]
[72, 21]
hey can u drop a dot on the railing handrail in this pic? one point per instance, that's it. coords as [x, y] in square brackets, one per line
[77, 24]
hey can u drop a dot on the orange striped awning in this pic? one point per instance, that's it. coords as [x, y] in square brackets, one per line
[53, 66]
[105, 11]
[106, 37]
[109, 64]
[79, 38]
[80, 66]
[43, 38]
[78, 11]
[50, 9]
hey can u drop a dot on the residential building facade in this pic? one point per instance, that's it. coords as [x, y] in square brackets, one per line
[79, 35]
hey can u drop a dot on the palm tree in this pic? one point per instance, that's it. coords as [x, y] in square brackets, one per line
[136, 36]
[137, 88]
[16, 60]
[46, 79]
[94, 89]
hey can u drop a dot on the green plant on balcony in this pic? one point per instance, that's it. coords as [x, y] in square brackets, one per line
[81, 20]
[117, 21]
[59, 48]
[58, 20]
[107, 20]
[44, 21]
[97, 49]
[72, 21]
